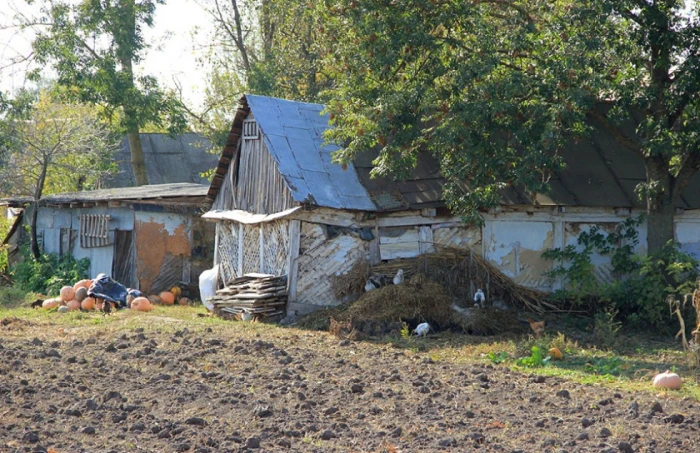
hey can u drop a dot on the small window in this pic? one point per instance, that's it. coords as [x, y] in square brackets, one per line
[250, 130]
[94, 230]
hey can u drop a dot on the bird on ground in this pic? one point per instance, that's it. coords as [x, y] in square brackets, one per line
[398, 278]
[479, 299]
[537, 327]
[369, 286]
[106, 308]
[422, 329]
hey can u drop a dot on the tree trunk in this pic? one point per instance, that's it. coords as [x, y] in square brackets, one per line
[38, 192]
[34, 242]
[661, 205]
[138, 164]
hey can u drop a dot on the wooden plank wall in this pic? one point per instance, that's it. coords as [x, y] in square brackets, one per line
[260, 187]
[320, 259]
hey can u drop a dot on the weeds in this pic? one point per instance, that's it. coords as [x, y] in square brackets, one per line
[607, 327]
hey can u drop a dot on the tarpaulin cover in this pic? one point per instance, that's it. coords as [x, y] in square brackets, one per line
[103, 287]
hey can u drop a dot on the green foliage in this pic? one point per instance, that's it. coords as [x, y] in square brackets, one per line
[575, 265]
[50, 273]
[498, 357]
[405, 331]
[93, 48]
[4, 228]
[643, 283]
[12, 297]
[493, 89]
[535, 360]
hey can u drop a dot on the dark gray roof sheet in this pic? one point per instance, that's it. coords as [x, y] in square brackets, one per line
[150, 192]
[182, 158]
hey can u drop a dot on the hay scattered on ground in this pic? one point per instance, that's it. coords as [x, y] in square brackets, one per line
[386, 309]
[462, 272]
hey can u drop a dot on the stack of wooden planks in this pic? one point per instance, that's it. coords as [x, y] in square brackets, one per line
[261, 296]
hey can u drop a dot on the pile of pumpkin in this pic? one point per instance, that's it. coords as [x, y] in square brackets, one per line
[76, 298]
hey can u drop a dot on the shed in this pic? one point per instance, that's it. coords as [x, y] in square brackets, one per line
[281, 206]
[149, 237]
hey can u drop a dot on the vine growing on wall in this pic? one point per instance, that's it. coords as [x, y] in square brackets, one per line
[641, 284]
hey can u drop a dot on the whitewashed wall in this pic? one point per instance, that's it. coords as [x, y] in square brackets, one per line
[50, 221]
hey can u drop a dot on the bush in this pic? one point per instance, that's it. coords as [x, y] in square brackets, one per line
[48, 274]
[643, 284]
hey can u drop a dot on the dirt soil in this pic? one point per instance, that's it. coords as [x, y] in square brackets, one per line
[175, 387]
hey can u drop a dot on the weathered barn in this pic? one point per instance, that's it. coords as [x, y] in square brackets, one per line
[148, 237]
[283, 207]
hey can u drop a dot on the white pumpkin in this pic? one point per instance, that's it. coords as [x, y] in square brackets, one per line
[667, 380]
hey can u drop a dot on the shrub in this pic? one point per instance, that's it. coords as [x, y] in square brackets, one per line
[49, 273]
[638, 295]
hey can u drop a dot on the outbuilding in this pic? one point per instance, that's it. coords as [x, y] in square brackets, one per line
[283, 207]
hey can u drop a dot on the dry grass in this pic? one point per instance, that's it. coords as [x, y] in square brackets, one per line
[462, 272]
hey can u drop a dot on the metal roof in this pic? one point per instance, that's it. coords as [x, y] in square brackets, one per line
[293, 133]
[150, 192]
[182, 158]
[599, 171]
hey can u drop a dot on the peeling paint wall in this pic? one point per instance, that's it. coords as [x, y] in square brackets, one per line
[163, 246]
[516, 248]
[465, 237]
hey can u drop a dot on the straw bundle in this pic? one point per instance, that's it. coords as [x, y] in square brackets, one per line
[462, 272]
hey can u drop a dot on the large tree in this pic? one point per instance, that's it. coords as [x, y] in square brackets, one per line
[493, 88]
[53, 146]
[94, 46]
[267, 47]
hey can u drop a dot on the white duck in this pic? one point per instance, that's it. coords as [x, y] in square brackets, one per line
[369, 286]
[398, 278]
[422, 329]
[479, 299]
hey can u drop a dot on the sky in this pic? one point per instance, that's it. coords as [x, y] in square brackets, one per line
[172, 57]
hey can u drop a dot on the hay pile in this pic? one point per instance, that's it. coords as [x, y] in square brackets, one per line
[385, 310]
[462, 272]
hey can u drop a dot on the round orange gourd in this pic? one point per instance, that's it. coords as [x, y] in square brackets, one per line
[67, 293]
[73, 305]
[167, 297]
[185, 301]
[556, 354]
[667, 380]
[88, 303]
[82, 284]
[51, 303]
[141, 304]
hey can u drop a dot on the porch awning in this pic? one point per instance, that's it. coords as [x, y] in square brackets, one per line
[246, 217]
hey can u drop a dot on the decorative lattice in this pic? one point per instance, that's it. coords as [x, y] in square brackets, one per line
[228, 250]
[275, 247]
[251, 249]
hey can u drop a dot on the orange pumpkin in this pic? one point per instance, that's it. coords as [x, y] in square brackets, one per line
[67, 293]
[88, 303]
[51, 303]
[155, 299]
[167, 297]
[82, 284]
[73, 305]
[141, 304]
[668, 380]
[185, 301]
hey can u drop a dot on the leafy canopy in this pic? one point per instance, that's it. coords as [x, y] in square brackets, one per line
[493, 88]
[93, 46]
